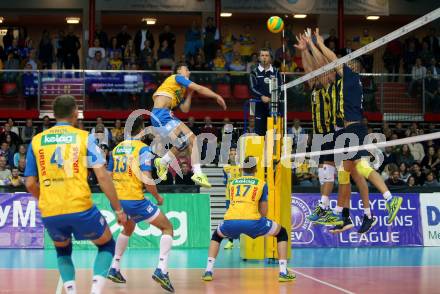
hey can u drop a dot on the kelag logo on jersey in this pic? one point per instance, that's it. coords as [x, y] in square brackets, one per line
[301, 232]
[54, 139]
[122, 150]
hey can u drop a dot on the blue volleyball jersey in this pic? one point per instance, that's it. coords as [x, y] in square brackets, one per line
[353, 95]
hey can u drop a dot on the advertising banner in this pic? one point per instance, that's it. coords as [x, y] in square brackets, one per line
[430, 212]
[20, 222]
[406, 229]
[189, 214]
[103, 82]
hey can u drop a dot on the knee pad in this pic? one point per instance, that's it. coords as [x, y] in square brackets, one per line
[363, 168]
[182, 141]
[216, 237]
[326, 174]
[343, 177]
[109, 247]
[282, 235]
[64, 251]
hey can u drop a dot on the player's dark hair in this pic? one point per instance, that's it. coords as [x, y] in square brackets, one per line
[179, 66]
[64, 106]
[249, 165]
[138, 125]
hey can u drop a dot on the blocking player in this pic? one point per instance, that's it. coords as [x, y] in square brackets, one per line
[230, 172]
[353, 114]
[170, 95]
[130, 165]
[247, 215]
[56, 174]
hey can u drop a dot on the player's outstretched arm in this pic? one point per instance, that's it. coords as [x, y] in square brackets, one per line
[150, 186]
[207, 92]
[106, 185]
[32, 186]
[329, 54]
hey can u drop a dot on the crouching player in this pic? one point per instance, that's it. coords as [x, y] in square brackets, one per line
[130, 165]
[247, 215]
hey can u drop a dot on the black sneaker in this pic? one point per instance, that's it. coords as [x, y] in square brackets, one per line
[347, 225]
[367, 224]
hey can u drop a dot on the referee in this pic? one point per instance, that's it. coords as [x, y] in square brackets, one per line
[259, 86]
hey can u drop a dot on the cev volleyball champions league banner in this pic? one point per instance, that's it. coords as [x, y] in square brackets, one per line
[406, 229]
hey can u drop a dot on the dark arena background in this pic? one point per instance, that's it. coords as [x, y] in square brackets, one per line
[285, 71]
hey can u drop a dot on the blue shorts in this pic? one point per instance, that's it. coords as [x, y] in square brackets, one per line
[253, 228]
[85, 225]
[139, 210]
[360, 131]
[163, 121]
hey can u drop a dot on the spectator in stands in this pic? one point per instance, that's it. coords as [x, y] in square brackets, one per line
[251, 65]
[228, 129]
[144, 54]
[80, 124]
[139, 39]
[399, 130]
[228, 41]
[14, 49]
[98, 63]
[47, 124]
[16, 180]
[411, 182]
[107, 134]
[404, 172]
[388, 157]
[117, 131]
[71, 45]
[416, 150]
[296, 130]
[304, 175]
[15, 139]
[431, 181]
[97, 47]
[5, 174]
[59, 49]
[165, 57]
[332, 38]
[12, 63]
[200, 64]
[367, 59]
[129, 53]
[219, 62]
[237, 65]
[21, 166]
[12, 146]
[409, 57]
[418, 74]
[190, 124]
[348, 48]
[28, 131]
[391, 59]
[101, 36]
[247, 44]
[433, 67]
[405, 156]
[113, 48]
[426, 54]
[193, 40]
[46, 51]
[431, 86]
[186, 175]
[31, 60]
[432, 41]
[209, 127]
[98, 133]
[13, 127]
[6, 153]
[211, 38]
[418, 175]
[8, 38]
[150, 63]
[429, 159]
[116, 63]
[122, 37]
[394, 180]
[166, 34]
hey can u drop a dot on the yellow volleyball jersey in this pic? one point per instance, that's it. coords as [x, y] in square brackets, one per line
[61, 159]
[172, 89]
[125, 165]
[245, 193]
[231, 172]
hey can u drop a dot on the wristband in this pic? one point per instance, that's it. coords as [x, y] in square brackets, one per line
[119, 212]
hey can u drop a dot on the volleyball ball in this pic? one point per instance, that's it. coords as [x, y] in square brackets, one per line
[275, 24]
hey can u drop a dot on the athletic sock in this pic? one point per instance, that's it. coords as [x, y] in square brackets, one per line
[98, 284]
[70, 287]
[387, 195]
[102, 264]
[166, 242]
[325, 202]
[338, 209]
[367, 212]
[66, 268]
[210, 264]
[166, 159]
[345, 212]
[121, 245]
[283, 266]
[197, 168]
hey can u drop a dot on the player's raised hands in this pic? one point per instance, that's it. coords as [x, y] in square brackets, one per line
[318, 37]
[301, 45]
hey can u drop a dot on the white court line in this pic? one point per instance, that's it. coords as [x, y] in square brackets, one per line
[59, 289]
[323, 282]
